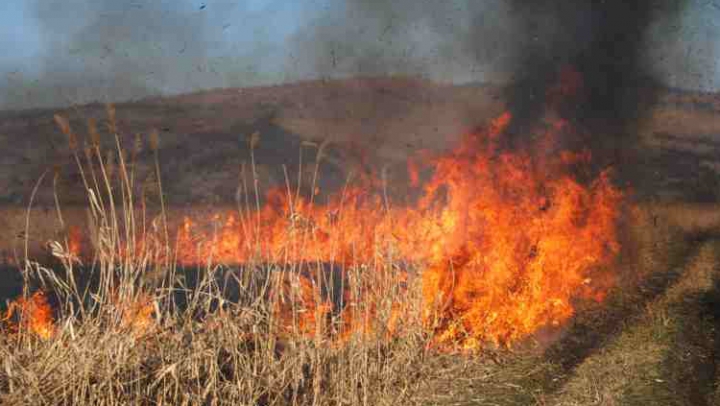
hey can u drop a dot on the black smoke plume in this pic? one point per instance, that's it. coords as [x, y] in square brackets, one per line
[530, 43]
[605, 42]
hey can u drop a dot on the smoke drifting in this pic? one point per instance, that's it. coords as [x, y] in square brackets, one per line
[529, 43]
[605, 41]
[115, 50]
[109, 50]
[452, 41]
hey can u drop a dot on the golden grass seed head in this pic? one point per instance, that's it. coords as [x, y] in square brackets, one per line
[93, 131]
[63, 123]
[110, 163]
[254, 139]
[138, 144]
[88, 151]
[72, 141]
[154, 140]
[112, 124]
[64, 126]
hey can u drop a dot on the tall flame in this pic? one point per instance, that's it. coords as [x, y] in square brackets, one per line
[506, 242]
[520, 240]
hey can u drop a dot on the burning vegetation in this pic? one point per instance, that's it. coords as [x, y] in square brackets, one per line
[33, 315]
[301, 298]
[503, 243]
[497, 244]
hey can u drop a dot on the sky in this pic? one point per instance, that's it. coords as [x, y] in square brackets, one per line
[60, 52]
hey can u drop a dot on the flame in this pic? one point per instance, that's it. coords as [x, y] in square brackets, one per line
[519, 242]
[299, 308]
[75, 238]
[509, 240]
[35, 315]
[506, 242]
[137, 315]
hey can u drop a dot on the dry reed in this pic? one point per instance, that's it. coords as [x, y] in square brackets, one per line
[128, 330]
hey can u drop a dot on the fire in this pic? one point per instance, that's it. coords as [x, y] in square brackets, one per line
[519, 241]
[506, 242]
[299, 307]
[138, 317]
[35, 315]
[74, 243]
[136, 314]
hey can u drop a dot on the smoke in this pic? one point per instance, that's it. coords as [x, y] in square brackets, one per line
[607, 43]
[115, 50]
[109, 50]
[527, 44]
[127, 51]
[449, 41]
[684, 49]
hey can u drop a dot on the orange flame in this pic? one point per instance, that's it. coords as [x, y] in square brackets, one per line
[75, 238]
[519, 241]
[507, 242]
[137, 315]
[35, 315]
[299, 307]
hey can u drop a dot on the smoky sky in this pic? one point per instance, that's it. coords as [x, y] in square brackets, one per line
[605, 42]
[446, 40]
[622, 50]
[109, 49]
[76, 51]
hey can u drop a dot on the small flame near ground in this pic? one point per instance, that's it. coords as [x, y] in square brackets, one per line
[33, 315]
[137, 315]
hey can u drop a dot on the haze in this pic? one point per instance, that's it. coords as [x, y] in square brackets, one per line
[63, 52]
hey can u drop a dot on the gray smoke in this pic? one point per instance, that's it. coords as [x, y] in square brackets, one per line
[463, 40]
[108, 50]
[114, 50]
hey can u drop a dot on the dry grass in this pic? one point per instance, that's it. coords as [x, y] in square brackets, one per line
[133, 328]
[130, 329]
[663, 357]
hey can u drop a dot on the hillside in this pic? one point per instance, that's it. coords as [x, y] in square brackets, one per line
[380, 121]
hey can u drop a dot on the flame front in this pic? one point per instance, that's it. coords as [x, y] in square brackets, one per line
[519, 240]
[505, 241]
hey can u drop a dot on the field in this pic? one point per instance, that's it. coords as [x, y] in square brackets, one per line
[130, 317]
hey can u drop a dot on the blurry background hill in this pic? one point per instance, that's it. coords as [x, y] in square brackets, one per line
[370, 123]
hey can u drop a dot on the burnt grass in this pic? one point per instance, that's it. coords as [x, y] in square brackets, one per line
[236, 284]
